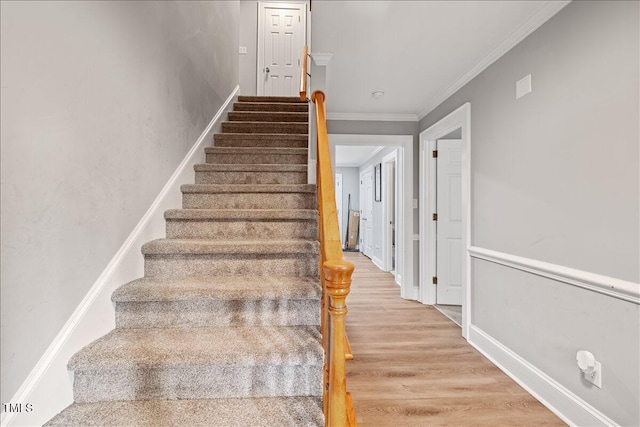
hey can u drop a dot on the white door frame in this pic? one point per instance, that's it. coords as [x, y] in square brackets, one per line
[292, 4]
[460, 118]
[404, 221]
[338, 191]
[386, 231]
[362, 230]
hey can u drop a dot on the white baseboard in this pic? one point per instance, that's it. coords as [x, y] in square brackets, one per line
[561, 401]
[48, 387]
[378, 262]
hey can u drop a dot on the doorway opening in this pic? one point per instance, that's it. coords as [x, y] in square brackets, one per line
[445, 231]
[379, 181]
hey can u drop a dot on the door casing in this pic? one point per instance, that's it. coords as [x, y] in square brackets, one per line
[405, 239]
[460, 118]
[303, 7]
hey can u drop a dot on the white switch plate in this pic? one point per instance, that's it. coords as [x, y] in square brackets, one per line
[523, 86]
[243, 50]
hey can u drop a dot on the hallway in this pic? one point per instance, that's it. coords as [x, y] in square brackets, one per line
[412, 367]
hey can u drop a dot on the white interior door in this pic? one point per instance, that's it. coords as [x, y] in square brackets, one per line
[389, 206]
[281, 36]
[366, 212]
[449, 252]
[338, 192]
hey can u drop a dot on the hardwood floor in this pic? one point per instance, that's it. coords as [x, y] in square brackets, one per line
[413, 368]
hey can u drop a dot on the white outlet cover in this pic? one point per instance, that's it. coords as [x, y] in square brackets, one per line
[243, 50]
[596, 379]
[523, 86]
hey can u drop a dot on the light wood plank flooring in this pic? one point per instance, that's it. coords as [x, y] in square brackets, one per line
[413, 368]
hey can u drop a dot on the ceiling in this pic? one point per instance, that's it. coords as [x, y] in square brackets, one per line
[417, 52]
[354, 155]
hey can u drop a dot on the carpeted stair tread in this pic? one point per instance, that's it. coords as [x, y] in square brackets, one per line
[245, 214]
[227, 247]
[254, 150]
[271, 106]
[243, 188]
[248, 167]
[260, 140]
[184, 347]
[271, 99]
[262, 411]
[223, 329]
[251, 173]
[268, 116]
[266, 127]
[218, 288]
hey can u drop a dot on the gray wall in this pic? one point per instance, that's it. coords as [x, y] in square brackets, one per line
[249, 39]
[350, 185]
[555, 177]
[100, 103]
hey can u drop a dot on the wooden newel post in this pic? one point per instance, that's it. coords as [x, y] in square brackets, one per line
[337, 278]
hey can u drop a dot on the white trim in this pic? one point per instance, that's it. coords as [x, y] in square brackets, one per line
[404, 232]
[361, 229]
[460, 118]
[378, 262]
[615, 288]
[374, 117]
[48, 387]
[302, 6]
[387, 254]
[544, 13]
[565, 404]
[321, 59]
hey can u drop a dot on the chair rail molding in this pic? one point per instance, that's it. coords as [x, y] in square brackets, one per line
[616, 288]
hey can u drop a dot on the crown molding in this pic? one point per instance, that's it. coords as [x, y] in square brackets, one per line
[321, 59]
[546, 12]
[381, 117]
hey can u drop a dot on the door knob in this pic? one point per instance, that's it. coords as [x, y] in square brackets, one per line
[266, 70]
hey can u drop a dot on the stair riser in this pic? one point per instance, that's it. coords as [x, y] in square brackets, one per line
[280, 141]
[231, 265]
[280, 99]
[231, 177]
[241, 230]
[195, 314]
[284, 107]
[263, 116]
[256, 158]
[197, 382]
[244, 127]
[249, 201]
[257, 143]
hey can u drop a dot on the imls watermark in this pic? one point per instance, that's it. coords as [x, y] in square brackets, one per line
[17, 407]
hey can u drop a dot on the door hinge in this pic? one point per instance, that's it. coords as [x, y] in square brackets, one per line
[434, 280]
[434, 154]
[435, 217]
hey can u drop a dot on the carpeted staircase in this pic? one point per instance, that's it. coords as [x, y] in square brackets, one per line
[223, 329]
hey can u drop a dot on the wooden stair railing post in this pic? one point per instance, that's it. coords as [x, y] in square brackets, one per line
[337, 279]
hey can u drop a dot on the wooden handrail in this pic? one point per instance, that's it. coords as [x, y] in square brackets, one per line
[335, 277]
[303, 73]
